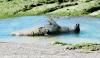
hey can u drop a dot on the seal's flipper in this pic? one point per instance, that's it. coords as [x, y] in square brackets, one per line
[52, 22]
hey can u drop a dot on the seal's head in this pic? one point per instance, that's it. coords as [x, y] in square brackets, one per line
[77, 28]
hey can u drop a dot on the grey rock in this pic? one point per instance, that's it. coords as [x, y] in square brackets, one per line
[71, 48]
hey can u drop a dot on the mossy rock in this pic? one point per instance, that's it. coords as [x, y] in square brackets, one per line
[60, 1]
[60, 43]
[86, 46]
[6, 0]
[84, 0]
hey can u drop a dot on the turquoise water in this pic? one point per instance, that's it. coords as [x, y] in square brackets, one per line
[90, 29]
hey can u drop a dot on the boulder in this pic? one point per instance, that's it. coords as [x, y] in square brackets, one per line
[71, 48]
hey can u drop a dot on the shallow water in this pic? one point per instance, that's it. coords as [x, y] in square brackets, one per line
[90, 29]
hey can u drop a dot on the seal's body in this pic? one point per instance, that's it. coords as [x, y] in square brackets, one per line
[48, 29]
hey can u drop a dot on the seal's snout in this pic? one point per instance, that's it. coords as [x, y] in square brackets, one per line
[77, 28]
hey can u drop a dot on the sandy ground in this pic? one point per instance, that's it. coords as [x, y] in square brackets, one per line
[31, 50]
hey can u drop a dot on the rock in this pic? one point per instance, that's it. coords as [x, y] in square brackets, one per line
[71, 48]
[94, 49]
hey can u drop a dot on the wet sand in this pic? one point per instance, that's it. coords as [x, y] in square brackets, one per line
[35, 50]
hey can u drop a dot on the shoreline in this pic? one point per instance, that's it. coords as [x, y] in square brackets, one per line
[30, 50]
[49, 16]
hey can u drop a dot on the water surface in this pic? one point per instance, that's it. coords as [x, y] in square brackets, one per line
[90, 29]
